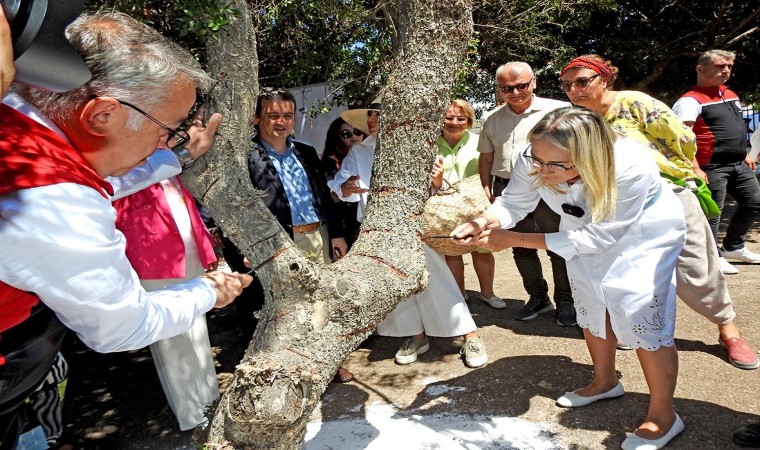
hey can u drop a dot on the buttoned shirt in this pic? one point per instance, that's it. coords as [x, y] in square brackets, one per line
[505, 133]
[296, 184]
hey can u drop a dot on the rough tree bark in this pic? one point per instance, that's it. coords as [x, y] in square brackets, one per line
[315, 315]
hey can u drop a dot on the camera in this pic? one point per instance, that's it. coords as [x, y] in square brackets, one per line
[44, 58]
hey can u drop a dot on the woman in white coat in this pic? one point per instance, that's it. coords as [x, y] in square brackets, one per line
[621, 234]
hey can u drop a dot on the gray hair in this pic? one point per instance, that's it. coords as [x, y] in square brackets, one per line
[709, 55]
[514, 67]
[129, 61]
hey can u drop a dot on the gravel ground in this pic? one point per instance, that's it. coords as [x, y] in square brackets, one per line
[115, 401]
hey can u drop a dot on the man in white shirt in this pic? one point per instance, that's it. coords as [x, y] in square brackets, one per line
[503, 139]
[63, 263]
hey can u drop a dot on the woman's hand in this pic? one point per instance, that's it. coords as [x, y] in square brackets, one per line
[498, 239]
[468, 233]
[437, 173]
[351, 186]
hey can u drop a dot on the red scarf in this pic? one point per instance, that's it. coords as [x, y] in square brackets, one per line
[33, 155]
[588, 63]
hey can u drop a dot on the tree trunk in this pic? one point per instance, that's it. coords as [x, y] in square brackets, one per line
[316, 315]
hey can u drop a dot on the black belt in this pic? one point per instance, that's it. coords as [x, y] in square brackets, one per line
[503, 180]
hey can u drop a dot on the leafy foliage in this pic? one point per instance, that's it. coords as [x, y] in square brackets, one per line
[303, 42]
[188, 22]
[655, 43]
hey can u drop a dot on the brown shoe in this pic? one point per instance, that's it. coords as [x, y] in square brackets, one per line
[739, 353]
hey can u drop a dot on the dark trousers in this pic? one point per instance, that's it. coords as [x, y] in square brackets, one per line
[29, 350]
[542, 220]
[739, 181]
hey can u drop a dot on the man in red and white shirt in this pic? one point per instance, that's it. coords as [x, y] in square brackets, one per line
[63, 263]
[714, 113]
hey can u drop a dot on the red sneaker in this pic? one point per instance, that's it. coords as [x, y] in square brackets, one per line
[739, 353]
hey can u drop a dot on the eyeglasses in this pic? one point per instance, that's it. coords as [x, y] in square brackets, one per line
[507, 89]
[552, 166]
[580, 83]
[345, 134]
[455, 119]
[176, 136]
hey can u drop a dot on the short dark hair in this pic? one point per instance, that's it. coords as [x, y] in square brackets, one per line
[274, 94]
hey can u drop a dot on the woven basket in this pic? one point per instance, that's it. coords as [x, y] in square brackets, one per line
[449, 208]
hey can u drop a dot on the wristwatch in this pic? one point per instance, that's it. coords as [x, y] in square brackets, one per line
[184, 157]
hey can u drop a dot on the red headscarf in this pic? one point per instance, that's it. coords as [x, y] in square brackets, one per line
[588, 63]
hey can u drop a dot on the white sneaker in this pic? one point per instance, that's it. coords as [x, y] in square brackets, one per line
[743, 255]
[726, 267]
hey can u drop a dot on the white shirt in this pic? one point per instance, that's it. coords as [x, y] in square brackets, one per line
[755, 141]
[622, 266]
[505, 133]
[60, 242]
[637, 182]
[358, 161]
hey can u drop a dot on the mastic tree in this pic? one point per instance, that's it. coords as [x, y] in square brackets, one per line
[315, 315]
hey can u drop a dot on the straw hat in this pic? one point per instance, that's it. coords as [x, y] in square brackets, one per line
[357, 118]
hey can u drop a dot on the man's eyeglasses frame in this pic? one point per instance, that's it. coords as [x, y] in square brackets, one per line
[177, 135]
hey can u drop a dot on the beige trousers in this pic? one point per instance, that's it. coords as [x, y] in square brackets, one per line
[315, 244]
[699, 281]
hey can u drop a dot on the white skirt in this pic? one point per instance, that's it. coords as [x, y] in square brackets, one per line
[439, 310]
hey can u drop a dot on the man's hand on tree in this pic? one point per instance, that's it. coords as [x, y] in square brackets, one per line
[228, 286]
[202, 135]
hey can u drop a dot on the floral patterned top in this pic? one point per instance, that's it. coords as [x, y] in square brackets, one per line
[651, 122]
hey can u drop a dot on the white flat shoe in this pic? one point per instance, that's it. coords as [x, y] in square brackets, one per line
[634, 442]
[573, 400]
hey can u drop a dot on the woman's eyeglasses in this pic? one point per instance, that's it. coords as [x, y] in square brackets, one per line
[176, 136]
[507, 89]
[460, 119]
[580, 83]
[552, 166]
[345, 134]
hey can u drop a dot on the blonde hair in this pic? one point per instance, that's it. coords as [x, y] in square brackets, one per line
[590, 143]
[469, 112]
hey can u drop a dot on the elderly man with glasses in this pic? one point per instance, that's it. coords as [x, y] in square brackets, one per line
[503, 139]
[64, 264]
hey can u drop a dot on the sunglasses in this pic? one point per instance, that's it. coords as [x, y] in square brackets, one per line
[507, 89]
[580, 83]
[345, 134]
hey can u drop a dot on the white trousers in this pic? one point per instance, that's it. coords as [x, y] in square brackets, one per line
[439, 310]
